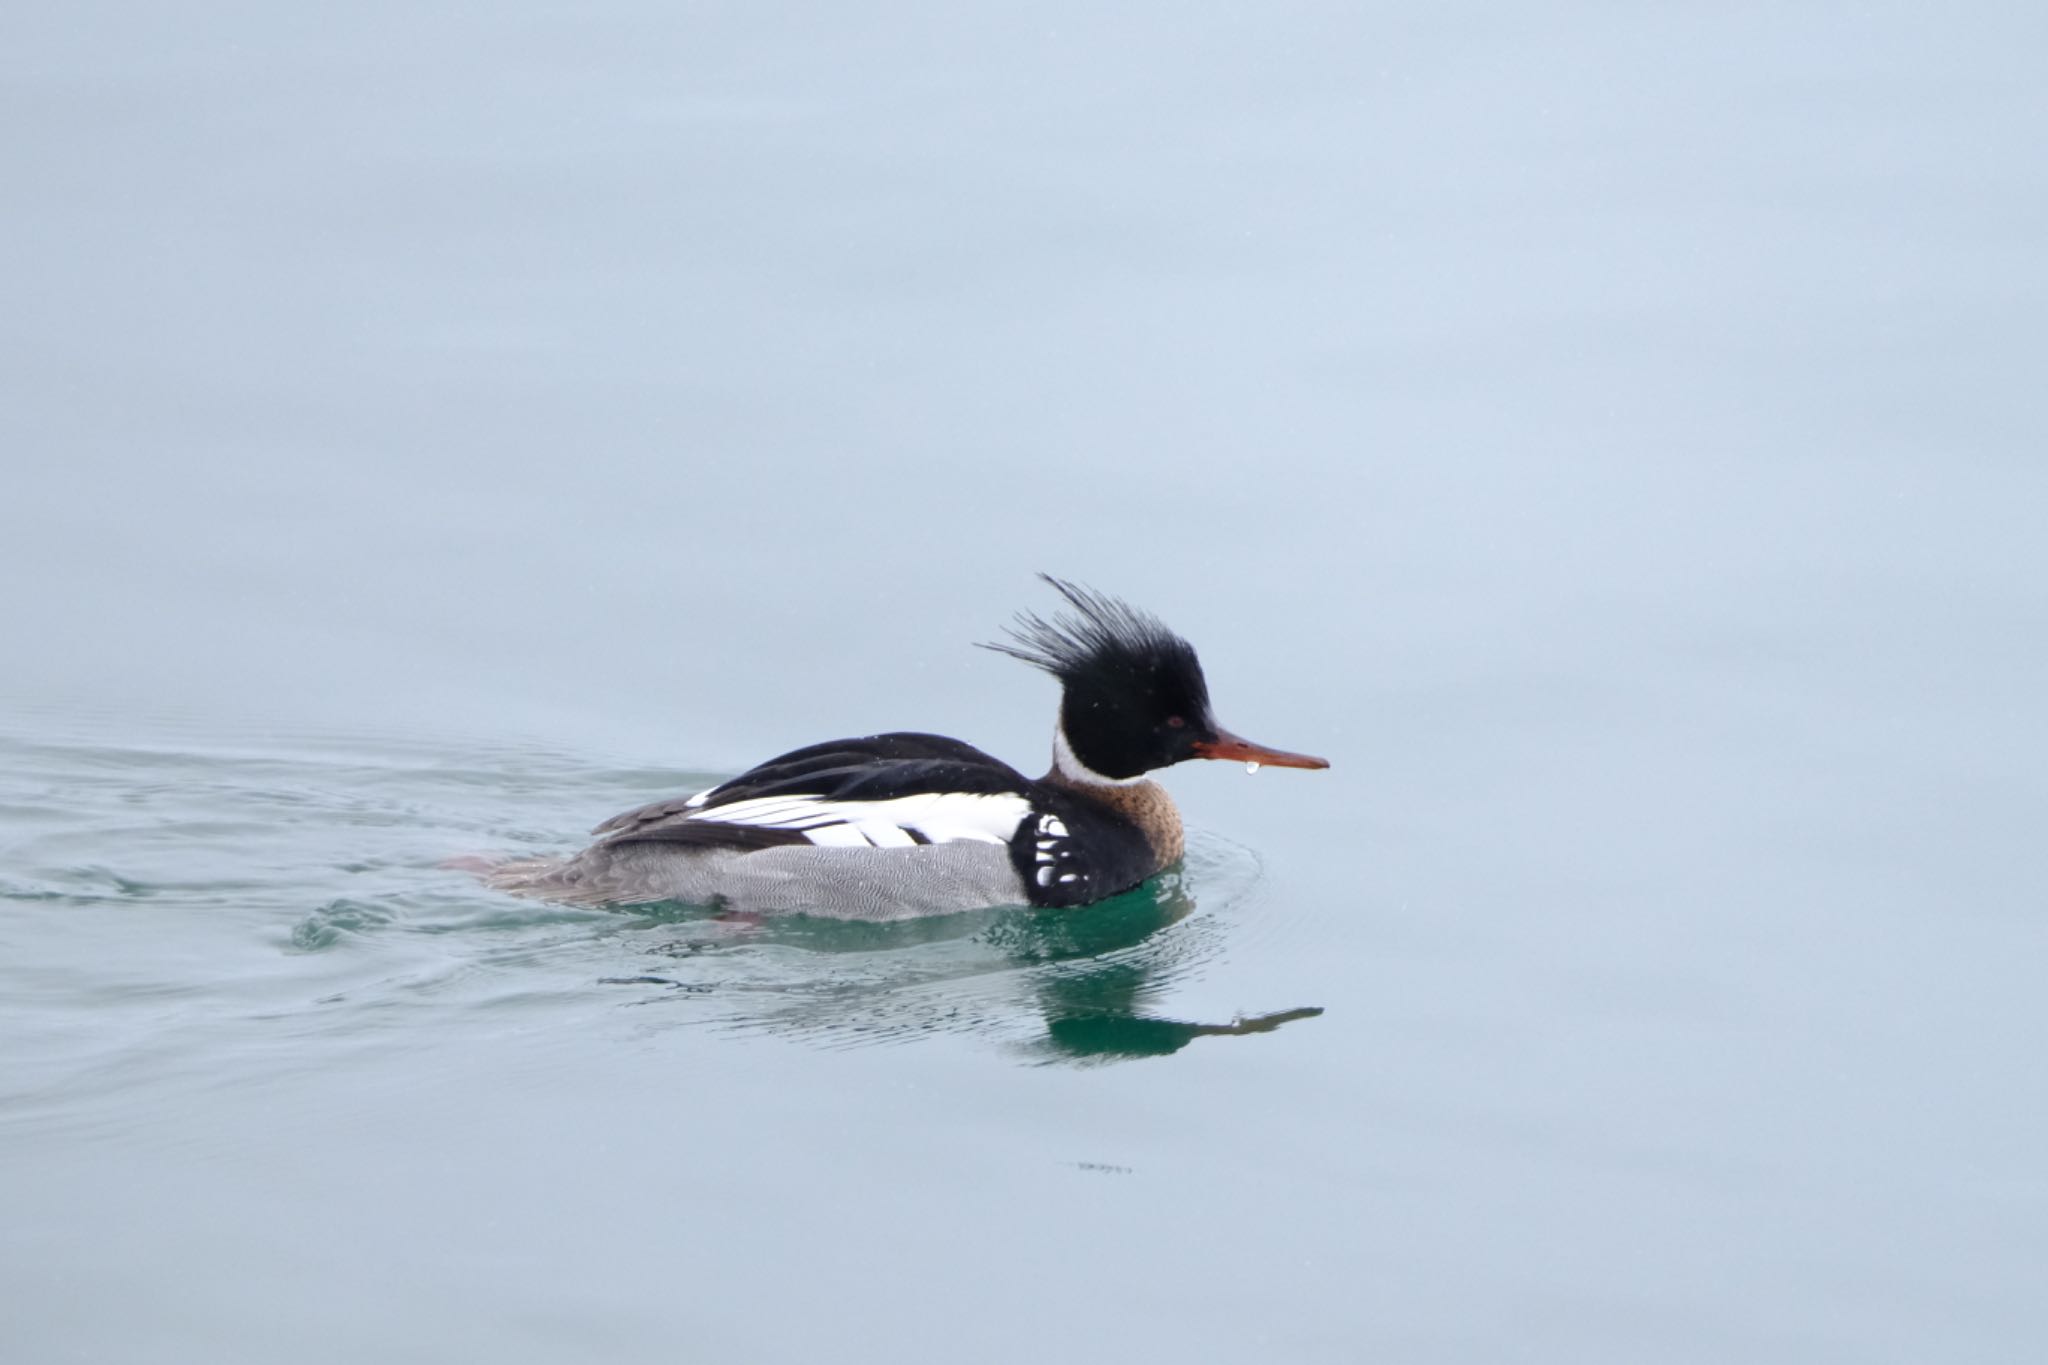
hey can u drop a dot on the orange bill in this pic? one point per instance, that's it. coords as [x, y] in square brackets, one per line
[1227, 745]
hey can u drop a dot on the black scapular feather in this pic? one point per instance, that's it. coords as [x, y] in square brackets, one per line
[1102, 640]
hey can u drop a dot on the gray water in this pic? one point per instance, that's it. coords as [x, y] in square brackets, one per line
[1613, 435]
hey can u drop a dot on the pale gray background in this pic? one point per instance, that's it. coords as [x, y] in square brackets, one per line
[1612, 433]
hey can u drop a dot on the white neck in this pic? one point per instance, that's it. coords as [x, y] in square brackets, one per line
[1074, 770]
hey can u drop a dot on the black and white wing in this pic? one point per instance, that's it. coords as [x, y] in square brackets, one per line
[881, 791]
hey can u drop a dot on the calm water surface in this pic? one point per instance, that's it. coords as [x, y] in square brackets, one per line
[1613, 438]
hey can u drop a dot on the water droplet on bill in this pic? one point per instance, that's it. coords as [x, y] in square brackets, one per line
[1251, 765]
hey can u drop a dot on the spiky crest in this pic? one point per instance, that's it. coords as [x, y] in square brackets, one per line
[1103, 641]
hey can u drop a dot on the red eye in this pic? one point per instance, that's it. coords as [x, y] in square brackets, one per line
[1176, 722]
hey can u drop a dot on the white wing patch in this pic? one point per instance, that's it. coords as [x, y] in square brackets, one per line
[941, 817]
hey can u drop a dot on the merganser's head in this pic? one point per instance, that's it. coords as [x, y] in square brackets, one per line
[1135, 699]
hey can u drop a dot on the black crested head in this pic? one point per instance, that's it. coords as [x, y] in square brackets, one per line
[1103, 640]
[1135, 698]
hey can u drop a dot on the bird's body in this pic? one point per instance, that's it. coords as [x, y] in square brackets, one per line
[898, 825]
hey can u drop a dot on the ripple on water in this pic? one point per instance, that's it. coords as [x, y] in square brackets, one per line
[228, 850]
[328, 925]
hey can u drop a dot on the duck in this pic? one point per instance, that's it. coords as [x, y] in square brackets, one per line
[907, 824]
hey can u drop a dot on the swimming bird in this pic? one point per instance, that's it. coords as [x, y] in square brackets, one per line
[898, 825]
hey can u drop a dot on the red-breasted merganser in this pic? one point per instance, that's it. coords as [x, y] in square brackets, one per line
[898, 825]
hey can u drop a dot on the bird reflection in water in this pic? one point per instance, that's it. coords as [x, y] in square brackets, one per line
[1077, 986]
[1100, 1016]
